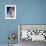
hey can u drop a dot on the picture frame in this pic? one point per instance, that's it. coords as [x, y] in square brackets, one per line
[10, 11]
[36, 32]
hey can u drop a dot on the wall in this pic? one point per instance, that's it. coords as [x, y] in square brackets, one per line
[27, 12]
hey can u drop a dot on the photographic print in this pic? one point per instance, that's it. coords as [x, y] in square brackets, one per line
[29, 34]
[10, 11]
[33, 32]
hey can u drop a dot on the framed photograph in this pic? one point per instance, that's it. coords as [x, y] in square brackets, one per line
[10, 11]
[33, 32]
